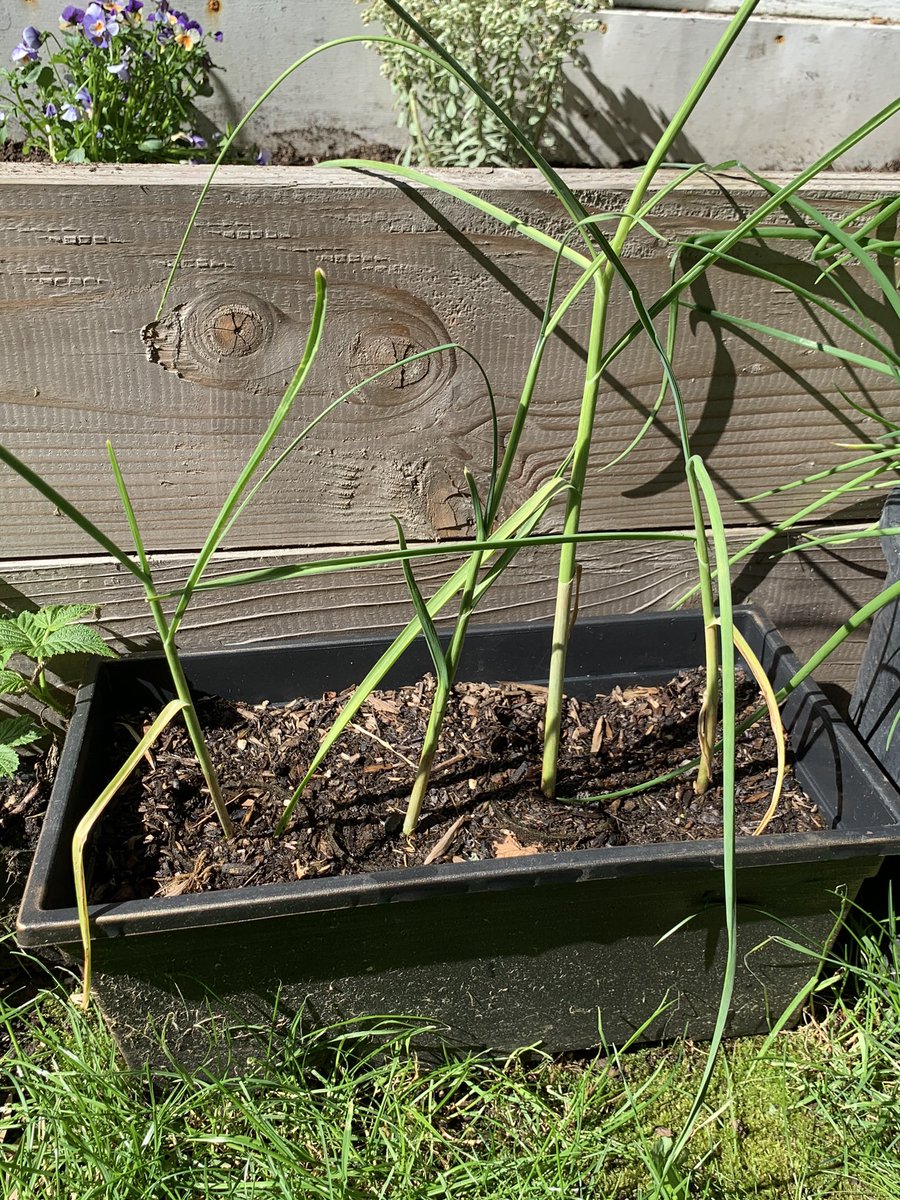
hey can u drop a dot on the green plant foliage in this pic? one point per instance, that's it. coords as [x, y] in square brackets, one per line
[39, 636]
[516, 48]
[15, 732]
[115, 83]
[49, 632]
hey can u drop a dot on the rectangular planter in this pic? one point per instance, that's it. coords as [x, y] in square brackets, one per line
[501, 953]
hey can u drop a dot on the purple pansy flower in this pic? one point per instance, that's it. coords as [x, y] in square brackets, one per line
[186, 38]
[50, 110]
[69, 113]
[22, 55]
[83, 96]
[99, 26]
[120, 70]
[70, 17]
[27, 49]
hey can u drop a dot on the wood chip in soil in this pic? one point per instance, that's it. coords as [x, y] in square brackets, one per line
[161, 836]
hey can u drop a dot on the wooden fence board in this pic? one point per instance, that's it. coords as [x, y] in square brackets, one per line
[84, 255]
[83, 258]
[809, 594]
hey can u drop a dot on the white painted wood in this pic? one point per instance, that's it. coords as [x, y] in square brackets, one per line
[837, 10]
[793, 87]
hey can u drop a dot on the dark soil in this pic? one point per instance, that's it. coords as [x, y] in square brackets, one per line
[23, 802]
[12, 152]
[162, 838]
[287, 155]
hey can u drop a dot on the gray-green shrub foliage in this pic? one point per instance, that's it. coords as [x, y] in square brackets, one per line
[515, 48]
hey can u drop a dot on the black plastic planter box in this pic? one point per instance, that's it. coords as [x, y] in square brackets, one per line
[500, 954]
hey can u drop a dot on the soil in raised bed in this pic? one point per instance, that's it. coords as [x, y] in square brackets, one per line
[161, 836]
[13, 152]
[285, 155]
[23, 802]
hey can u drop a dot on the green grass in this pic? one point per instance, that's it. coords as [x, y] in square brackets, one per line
[337, 1113]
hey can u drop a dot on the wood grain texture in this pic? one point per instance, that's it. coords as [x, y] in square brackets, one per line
[84, 257]
[808, 594]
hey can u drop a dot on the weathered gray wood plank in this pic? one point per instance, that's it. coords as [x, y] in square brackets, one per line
[84, 256]
[808, 594]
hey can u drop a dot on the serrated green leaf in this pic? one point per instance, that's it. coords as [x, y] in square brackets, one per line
[11, 682]
[55, 616]
[9, 761]
[14, 638]
[75, 639]
[18, 731]
[51, 631]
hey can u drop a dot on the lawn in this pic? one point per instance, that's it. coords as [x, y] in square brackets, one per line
[806, 1114]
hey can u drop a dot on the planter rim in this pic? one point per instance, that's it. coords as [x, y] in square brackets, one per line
[39, 925]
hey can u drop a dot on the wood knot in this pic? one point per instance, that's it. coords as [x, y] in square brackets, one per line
[374, 351]
[388, 328]
[235, 329]
[229, 339]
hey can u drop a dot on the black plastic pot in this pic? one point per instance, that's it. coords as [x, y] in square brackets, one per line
[876, 696]
[500, 954]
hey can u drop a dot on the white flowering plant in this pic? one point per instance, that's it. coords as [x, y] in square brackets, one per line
[515, 48]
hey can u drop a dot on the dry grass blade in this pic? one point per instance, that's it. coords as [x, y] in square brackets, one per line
[363, 732]
[89, 820]
[442, 845]
[765, 686]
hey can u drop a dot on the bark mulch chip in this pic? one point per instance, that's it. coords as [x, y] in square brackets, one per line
[161, 836]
